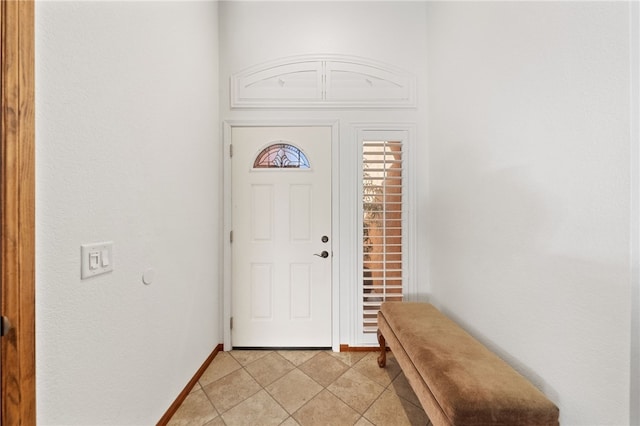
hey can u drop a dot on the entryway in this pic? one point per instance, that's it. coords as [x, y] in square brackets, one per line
[281, 236]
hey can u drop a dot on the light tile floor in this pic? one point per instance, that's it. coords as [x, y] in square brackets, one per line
[305, 388]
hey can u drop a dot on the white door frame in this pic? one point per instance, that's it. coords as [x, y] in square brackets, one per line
[228, 125]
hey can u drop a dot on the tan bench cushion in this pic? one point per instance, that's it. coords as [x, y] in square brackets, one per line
[472, 385]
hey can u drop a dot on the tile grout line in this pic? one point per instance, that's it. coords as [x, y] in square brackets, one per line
[350, 366]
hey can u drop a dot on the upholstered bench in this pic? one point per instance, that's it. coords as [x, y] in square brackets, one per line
[457, 379]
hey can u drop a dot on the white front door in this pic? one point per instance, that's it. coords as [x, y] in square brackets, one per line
[281, 222]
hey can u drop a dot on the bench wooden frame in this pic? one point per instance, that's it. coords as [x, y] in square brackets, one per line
[446, 388]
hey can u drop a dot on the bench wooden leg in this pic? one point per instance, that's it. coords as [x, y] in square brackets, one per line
[382, 359]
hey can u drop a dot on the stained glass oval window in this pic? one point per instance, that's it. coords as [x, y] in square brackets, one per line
[281, 155]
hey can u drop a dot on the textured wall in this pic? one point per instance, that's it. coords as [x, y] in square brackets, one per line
[127, 151]
[530, 191]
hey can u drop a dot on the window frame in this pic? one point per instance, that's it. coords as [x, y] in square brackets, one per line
[403, 133]
[282, 146]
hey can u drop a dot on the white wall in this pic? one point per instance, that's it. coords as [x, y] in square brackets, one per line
[128, 151]
[530, 191]
[635, 214]
[391, 32]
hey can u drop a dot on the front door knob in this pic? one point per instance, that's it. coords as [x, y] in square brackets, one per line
[323, 255]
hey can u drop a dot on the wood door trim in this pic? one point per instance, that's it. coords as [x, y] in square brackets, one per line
[17, 210]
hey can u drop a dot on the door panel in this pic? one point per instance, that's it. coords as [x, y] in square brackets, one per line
[281, 291]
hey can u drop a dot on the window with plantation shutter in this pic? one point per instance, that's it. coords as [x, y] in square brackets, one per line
[382, 227]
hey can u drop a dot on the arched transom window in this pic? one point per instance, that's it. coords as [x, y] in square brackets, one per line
[281, 155]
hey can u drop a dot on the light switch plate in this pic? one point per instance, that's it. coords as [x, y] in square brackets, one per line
[96, 259]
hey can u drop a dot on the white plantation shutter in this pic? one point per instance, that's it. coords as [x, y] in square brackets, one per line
[382, 227]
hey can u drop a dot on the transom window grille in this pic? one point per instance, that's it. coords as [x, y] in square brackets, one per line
[281, 155]
[382, 233]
